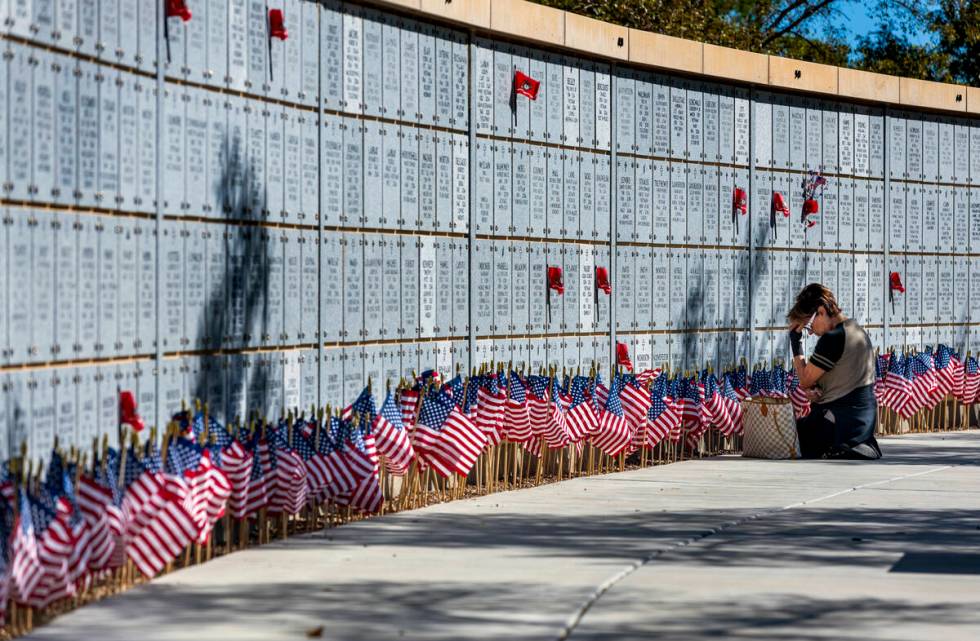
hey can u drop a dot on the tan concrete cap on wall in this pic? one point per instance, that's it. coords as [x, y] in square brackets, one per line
[804, 76]
[529, 20]
[973, 100]
[532, 22]
[866, 85]
[596, 37]
[471, 12]
[735, 64]
[658, 50]
[934, 95]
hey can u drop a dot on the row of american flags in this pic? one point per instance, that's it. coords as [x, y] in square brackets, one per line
[912, 382]
[144, 506]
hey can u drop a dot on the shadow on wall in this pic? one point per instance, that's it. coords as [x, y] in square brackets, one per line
[237, 312]
[694, 306]
[755, 273]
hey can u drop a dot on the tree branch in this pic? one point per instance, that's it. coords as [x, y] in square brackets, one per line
[789, 8]
[807, 13]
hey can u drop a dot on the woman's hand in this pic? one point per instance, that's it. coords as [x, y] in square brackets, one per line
[796, 339]
[813, 394]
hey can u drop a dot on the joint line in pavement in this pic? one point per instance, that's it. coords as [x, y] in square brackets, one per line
[604, 587]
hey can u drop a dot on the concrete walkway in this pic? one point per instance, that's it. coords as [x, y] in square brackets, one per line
[722, 547]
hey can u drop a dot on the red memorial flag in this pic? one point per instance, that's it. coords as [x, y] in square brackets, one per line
[526, 85]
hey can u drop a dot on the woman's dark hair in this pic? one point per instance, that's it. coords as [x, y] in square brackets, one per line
[809, 300]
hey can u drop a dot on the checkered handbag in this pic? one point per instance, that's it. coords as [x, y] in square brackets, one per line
[770, 429]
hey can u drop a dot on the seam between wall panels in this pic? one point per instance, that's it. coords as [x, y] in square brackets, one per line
[750, 197]
[886, 225]
[160, 107]
[471, 200]
[321, 402]
[613, 209]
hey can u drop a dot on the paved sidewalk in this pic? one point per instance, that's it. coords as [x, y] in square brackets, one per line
[695, 550]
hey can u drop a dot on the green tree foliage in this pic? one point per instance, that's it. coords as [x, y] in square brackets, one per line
[780, 27]
[957, 25]
[929, 39]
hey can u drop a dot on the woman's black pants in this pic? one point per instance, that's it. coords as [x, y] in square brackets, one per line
[844, 428]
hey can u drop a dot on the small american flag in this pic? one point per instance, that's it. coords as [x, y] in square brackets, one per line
[392, 439]
[908, 407]
[635, 399]
[316, 472]
[167, 531]
[183, 455]
[237, 464]
[881, 367]
[455, 389]
[257, 496]
[472, 395]
[777, 382]
[924, 388]
[614, 434]
[733, 405]
[490, 409]
[759, 383]
[107, 474]
[350, 462]
[662, 418]
[581, 420]
[538, 387]
[971, 382]
[647, 376]
[690, 401]
[26, 571]
[740, 383]
[208, 492]
[451, 442]
[517, 421]
[896, 384]
[718, 407]
[547, 413]
[367, 496]
[407, 401]
[797, 396]
[151, 461]
[363, 406]
[958, 375]
[945, 374]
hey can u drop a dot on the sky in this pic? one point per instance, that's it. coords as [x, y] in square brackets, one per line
[861, 22]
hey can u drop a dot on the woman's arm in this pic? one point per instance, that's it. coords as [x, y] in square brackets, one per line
[807, 373]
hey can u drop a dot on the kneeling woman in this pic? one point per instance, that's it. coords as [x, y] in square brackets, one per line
[838, 379]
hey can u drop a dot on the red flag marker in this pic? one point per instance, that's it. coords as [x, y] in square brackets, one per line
[277, 25]
[740, 201]
[895, 282]
[526, 85]
[178, 9]
[602, 279]
[623, 356]
[555, 281]
[128, 414]
[779, 204]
